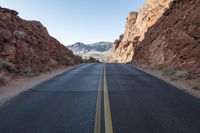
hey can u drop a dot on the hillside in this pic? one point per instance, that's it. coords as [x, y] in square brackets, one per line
[100, 50]
[137, 25]
[26, 48]
[174, 40]
[163, 35]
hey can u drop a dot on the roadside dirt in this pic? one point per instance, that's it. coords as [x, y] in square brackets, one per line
[180, 83]
[16, 86]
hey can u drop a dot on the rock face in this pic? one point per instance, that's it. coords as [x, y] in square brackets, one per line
[136, 27]
[174, 39]
[28, 46]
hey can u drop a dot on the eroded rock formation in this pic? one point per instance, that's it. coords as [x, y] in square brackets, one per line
[136, 27]
[27, 46]
[174, 39]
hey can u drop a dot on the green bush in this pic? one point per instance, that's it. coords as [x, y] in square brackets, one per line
[92, 60]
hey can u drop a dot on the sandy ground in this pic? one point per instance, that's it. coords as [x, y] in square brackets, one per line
[180, 84]
[17, 86]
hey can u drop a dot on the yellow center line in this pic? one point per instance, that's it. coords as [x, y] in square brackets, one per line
[107, 113]
[97, 127]
[108, 119]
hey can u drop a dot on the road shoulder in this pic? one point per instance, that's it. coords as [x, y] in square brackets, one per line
[180, 84]
[17, 86]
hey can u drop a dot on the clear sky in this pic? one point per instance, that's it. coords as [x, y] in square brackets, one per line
[73, 21]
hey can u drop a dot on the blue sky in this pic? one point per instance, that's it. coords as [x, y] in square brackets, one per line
[73, 21]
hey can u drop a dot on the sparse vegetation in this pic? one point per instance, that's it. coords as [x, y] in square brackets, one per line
[182, 74]
[173, 72]
[169, 70]
[29, 72]
[8, 66]
[61, 58]
[158, 67]
[91, 60]
[35, 72]
[19, 34]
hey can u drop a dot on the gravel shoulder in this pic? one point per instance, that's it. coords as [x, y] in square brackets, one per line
[17, 86]
[180, 83]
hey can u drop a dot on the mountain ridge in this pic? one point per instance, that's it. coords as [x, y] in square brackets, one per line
[101, 46]
[97, 50]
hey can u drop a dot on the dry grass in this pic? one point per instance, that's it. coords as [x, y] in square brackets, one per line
[173, 72]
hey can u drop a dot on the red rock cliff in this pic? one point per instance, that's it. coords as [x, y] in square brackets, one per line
[136, 27]
[174, 39]
[27, 46]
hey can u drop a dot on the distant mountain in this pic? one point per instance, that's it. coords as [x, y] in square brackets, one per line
[81, 48]
[99, 50]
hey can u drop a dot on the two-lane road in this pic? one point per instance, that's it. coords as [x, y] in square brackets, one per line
[98, 98]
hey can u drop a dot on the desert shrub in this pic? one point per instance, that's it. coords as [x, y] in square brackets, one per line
[158, 67]
[31, 68]
[93, 60]
[169, 70]
[27, 71]
[30, 71]
[8, 66]
[64, 59]
[19, 34]
[182, 74]
[35, 72]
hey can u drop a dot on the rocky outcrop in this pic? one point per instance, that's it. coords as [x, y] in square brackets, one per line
[136, 27]
[174, 39]
[27, 46]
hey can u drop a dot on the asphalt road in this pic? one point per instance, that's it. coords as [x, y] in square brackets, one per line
[98, 98]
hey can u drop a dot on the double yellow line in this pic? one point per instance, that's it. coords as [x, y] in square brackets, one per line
[107, 113]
